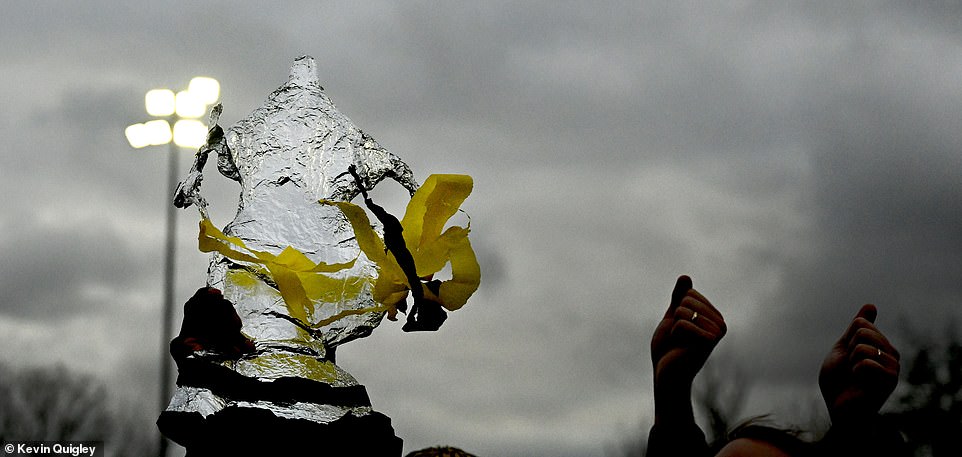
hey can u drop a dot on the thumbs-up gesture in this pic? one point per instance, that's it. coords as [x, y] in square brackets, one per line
[860, 371]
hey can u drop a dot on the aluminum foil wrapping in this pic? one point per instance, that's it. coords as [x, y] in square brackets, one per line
[288, 154]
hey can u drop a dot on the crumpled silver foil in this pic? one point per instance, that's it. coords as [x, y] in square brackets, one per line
[288, 154]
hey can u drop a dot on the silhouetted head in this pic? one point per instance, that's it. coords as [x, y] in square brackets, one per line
[752, 439]
[747, 447]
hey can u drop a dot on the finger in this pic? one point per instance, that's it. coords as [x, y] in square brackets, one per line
[874, 373]
[865, 352]
[682, 286]
[702, 320]
[698, 302]
[866, 316]
[870, 335]
[688, 331]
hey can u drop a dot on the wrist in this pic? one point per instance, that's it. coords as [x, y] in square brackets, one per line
[869, 435]
[852, 415]
[853, 421]
[673, 404]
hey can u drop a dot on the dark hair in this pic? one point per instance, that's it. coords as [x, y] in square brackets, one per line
[789, 440]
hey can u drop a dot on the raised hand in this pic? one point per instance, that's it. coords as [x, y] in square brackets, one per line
[210, 323]
[860, 371]
[683, 340]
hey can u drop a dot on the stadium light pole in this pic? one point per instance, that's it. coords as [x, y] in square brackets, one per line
[175, 124]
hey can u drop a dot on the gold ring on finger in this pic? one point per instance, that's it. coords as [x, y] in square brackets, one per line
[694, 316]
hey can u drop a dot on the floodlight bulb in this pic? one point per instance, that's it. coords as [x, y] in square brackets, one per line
[190, 133]
[160, 102]
[189, 106]
[137, 136]
[158, 132]
[207, 90]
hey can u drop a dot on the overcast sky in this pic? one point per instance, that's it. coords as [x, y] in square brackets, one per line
[796, 162]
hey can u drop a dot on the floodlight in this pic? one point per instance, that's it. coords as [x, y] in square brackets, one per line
[190, 133]
[137, 136]
[160, 102]
[207, 90]
[189, 105]
[158, 132]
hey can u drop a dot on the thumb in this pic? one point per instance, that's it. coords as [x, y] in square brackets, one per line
[868, 312]
[682, 286]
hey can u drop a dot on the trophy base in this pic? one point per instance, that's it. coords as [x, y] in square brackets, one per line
[218, 411]
[237, 430]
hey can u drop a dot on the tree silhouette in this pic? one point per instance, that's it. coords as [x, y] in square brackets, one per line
[929, 411]
[927, 407]
[719, 396]
[56, 404]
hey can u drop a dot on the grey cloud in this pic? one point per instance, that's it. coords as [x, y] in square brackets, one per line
[46, 270]
[796, 160]
[885, 197]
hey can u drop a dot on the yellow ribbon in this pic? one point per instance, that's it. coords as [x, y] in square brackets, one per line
[302, 282]
[430, 208]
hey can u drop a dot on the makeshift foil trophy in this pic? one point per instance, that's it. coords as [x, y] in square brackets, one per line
[299, 271]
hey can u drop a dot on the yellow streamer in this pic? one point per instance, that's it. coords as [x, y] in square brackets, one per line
[299, 280]
[434, 203]
[302, 282]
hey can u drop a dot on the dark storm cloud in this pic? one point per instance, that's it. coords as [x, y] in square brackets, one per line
[881, 128]
[570, 83]
[796, 160]
[49, 269]
[886, 230]
[757, 104]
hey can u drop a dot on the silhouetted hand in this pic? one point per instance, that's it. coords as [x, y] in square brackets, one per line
[210, 324]
[683, 340]
[860, 371]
